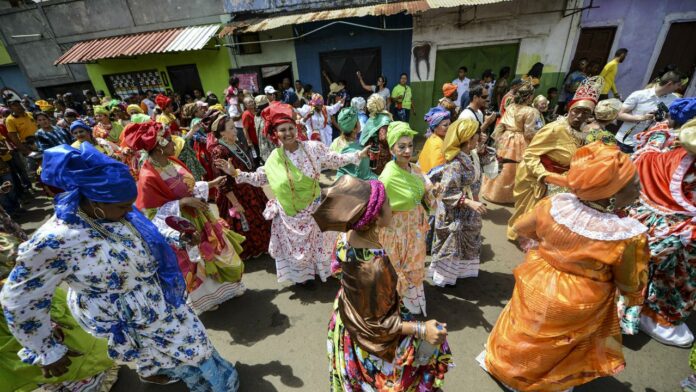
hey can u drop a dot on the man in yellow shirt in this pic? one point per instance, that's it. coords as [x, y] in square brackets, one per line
[20, 125]
[609, 74]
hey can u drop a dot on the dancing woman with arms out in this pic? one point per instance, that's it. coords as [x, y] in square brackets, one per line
[124, 282]
[299, 248]
[212, 269]
[373, 342]
[561, 327]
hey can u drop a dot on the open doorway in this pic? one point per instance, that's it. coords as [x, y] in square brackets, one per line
[273, 75]
[185, 79]
[679, 49]
[344, 64]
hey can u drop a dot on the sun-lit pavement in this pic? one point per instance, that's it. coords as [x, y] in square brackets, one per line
[276, 334]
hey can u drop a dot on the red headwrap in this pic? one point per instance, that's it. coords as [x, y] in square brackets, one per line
[143, 136]
[275, 114]
[162, 101]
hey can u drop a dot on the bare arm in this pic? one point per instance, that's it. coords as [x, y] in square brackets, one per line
[366, 87]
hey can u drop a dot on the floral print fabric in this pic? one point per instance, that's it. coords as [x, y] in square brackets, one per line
[114, 294]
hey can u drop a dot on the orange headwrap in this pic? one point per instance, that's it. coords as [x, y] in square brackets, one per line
[448, 89]
[598, 171]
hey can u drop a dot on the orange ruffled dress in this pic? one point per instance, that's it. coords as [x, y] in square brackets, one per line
[561, 327]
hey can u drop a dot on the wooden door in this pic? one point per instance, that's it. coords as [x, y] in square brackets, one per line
[594, 45]
[679, 49]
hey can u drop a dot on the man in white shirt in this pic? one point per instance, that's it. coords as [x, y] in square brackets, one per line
[462, 83]
[316, 118]
[478, 103]
[638, 111]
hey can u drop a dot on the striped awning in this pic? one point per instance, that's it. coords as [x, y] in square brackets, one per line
[257, 24]
[162, 41]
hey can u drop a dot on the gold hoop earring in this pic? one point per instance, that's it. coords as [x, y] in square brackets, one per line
[97, 211]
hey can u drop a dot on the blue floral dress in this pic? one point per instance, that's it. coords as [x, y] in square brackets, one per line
[114, 294]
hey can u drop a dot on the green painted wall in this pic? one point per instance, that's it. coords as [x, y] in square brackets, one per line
[4, 56]
[213, 67]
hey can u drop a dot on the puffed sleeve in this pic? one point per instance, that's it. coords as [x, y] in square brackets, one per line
[257, 178]
[451, 183]
[43, 263]
[331, 159]
[631, 274]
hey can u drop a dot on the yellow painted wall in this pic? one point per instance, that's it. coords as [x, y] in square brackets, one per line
[4, 56]
[213, 67]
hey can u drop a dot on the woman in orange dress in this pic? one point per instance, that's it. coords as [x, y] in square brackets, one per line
[561, 327]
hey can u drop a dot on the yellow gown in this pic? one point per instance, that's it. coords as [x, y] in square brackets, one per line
[555, 144]
[433, 154]
[515, 130]
[561, 327]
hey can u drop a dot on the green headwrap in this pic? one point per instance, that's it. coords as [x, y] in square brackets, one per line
[98, 109]
[347, 119]
[372, 126]
[397, 130]
[139, 118]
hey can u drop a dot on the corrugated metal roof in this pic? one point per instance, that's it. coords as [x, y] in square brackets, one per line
[162, 41]
[410, 7]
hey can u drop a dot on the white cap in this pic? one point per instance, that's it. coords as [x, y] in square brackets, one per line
[269, 90]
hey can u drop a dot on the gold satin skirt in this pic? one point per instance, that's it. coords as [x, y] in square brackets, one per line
[559, 330]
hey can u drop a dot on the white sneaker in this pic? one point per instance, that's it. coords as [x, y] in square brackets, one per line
[676, 335]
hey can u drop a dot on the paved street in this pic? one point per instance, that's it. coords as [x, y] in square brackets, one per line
[275, 334]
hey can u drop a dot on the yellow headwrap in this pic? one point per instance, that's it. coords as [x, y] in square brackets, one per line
[133, 108]
[687, 136]
[45, 106]
[458, 133]
[98, 109]
[218, 107]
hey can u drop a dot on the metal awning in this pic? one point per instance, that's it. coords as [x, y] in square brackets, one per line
[409, 7]
[162, 41]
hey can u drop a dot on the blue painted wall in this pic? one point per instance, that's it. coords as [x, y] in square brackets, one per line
[395, 46]
[12, 77]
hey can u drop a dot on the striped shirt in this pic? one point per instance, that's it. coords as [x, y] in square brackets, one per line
[55, 137]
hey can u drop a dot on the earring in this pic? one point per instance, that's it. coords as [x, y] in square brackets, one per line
[612, 204]
[98, 212]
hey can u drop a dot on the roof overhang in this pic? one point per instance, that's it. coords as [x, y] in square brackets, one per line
[162, 41]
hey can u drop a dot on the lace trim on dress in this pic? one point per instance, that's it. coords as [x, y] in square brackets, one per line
[568, 211]
[675, 186]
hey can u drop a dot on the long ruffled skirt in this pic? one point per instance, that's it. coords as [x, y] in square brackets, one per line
[404, 242]
[353, 369]
[214, 374]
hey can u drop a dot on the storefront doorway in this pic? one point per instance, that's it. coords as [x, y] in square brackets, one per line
[344, 64]
[477, 59]
[185, 79]
[679, 49]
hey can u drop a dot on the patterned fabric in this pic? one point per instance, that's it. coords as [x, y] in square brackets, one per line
[213, 269]
[214, 374]
[114, 294]
[416, 366]
[299, 248]
[600, 135]
[251, 222]
[457, 246]
[404, 242]
[55, 137]
[188, 156]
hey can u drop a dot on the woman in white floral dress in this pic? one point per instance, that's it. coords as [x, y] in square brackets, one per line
[300, 249]
[125, 285]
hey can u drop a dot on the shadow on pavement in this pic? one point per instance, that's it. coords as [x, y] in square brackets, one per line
[455, 312]
[322, 292]
[128, 381]
[252, 376]
[488, 289]
[260, 263]
[605, 384]
[499, 215]
[255, 317]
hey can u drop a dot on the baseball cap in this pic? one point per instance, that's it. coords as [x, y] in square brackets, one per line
[269, 90]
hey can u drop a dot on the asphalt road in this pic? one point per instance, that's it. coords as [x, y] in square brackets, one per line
[275, 334]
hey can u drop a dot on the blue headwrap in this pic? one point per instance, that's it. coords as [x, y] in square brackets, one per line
[289, 97]
[79, 124]
[435, 116]
[89, 173]
[682, 110]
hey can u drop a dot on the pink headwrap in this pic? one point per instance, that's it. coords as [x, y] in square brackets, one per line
[316, 100]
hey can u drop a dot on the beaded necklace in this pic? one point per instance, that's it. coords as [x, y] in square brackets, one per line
[239, 153]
